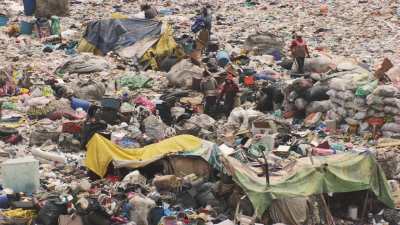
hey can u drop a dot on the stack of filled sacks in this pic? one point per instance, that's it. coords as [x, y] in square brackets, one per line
[348, 103]
[355, 101]
[383, 103]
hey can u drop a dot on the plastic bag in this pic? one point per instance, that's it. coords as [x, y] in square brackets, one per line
[351, 121]
[393, 127]
[378, 107]
[48, 215]
[332, 115]
[360, 115]
[331, 93]
[339, 84]
[341, 111]
[154, 127]
[367, 89]
[395, 102]
[300, 103]
[319, 106]
[359, 101]
[345, 95]
[385, 91]
[338, 101]
[391, 110]
[374, 99]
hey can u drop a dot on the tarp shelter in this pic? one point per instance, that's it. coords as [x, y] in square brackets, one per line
[111, 34]
[101, 152]
[332, 174]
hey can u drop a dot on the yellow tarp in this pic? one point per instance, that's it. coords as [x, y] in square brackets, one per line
[85, 46]
[101, 151]
[166, 46]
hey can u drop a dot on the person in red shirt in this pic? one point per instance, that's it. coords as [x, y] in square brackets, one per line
[229, 91]
[299, 52]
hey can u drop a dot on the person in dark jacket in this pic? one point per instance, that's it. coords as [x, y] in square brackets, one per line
[229, 91]
[206, 14]
[209, 87]
[149, 11]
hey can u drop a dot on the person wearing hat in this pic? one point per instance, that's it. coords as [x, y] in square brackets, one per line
[299, 52]
[209, 87]
[229, 91]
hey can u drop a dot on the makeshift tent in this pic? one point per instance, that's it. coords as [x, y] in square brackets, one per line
[111, 34]
[101, 152]
[332, 174]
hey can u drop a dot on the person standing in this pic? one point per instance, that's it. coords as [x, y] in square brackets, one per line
[229, 91]
[299, 52]
[209, 87]
[207, 16]
[149, 11]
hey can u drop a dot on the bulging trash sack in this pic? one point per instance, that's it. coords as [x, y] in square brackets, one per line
[339, 84]
[385, 91]
[264, 43]
[320, 64]
[182, 73]
[91, 90]
[49, 214]
[154, 127]
[319, 106]
[300, 103]
[83, 63]
[47, 8]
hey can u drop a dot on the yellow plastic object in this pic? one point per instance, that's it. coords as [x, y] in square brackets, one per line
[166, 46]
[24, 90]
[118, 16]
[101, 151]
[19, 214]
[85, 46]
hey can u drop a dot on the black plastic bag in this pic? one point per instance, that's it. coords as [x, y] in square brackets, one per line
[48, 215]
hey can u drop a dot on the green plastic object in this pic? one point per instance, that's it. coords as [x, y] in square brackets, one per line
[366, 89]
[55, 25]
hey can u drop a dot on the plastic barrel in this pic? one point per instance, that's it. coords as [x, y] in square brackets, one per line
[3, 20]
[80, 103]
[26, 27]
[29, 7]
[222, 58]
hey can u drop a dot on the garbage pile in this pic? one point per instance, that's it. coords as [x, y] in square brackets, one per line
[199, 112]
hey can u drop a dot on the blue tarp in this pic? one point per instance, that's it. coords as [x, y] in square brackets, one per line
[111, 34]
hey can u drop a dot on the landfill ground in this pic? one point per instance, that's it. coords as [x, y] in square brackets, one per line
[199, 112]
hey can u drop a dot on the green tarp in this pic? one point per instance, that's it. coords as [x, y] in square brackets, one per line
[333, 174]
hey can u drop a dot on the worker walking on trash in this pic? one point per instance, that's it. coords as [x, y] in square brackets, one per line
[209, 87]
[299, 52]
[229, 91]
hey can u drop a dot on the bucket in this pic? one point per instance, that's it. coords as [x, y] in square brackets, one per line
[223, 58]
[3, 20]
[353, 212]
[26, 27]
[80, 103]
[29, 7]
[4, 204]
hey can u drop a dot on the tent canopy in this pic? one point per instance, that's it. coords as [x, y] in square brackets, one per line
[333, 174]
